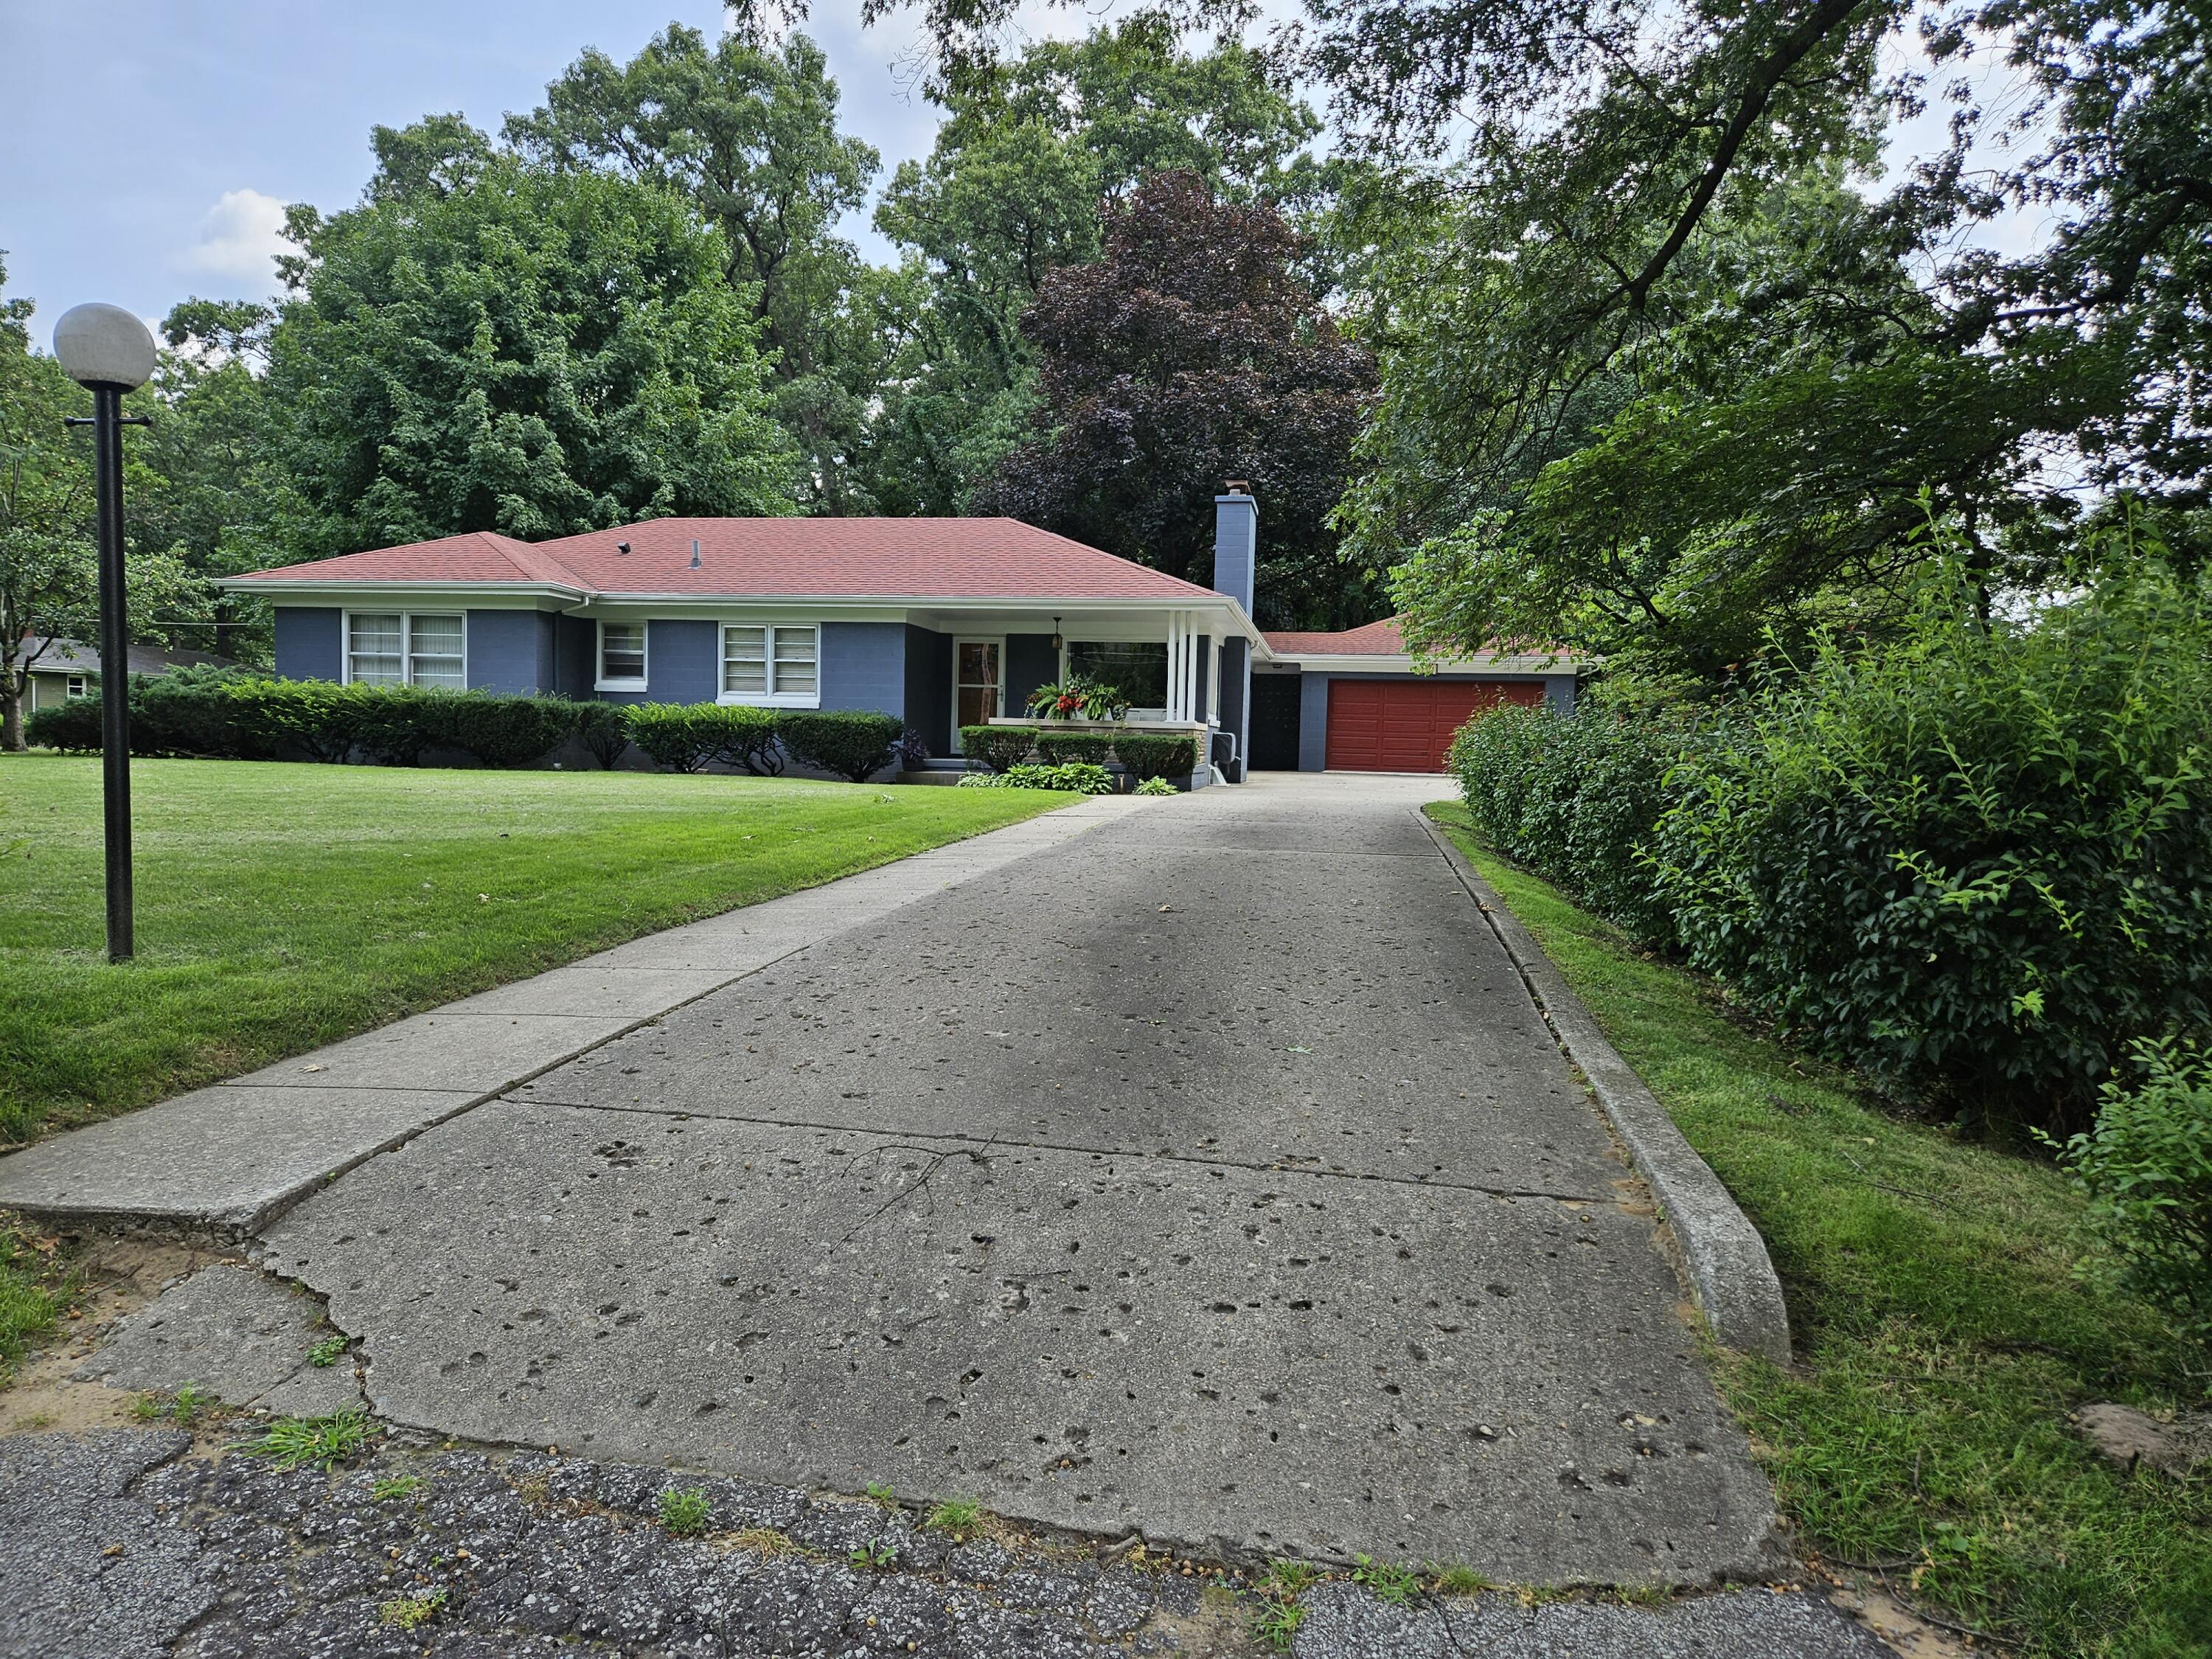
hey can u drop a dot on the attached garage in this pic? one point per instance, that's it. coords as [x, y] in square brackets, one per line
[1406, 725]
[1349, 702]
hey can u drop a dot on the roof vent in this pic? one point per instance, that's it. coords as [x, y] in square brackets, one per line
[695, 552]
[622, 547]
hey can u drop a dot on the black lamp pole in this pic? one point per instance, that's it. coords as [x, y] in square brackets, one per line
[114, 673]
[108, 351]
[107, 422]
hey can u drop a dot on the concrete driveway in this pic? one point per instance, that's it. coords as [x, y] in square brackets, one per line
[1210, 1174]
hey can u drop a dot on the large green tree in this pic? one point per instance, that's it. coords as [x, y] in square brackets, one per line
[49, 562]
[1012, 191]
[1669, 369]
[1666, 375]
[485, 345]
[1192, 353]
[748, 133]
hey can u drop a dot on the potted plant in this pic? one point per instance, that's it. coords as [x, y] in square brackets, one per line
[1076, 698]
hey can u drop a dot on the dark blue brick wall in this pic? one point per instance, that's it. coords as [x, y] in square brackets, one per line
[1313, 722]
[864, 666]
[575, 645]
[929, 687]
[683, 664]
[310, 644]
[510, 651]
[1236, 701]
[1030, 662]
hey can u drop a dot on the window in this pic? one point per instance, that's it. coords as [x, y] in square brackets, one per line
[771, 663]
[1139, 668]
[402, 649]
[73, 686]
[622, 656]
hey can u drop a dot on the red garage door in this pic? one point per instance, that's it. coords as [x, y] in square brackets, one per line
[1406, 725]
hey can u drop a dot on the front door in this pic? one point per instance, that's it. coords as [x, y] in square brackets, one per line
[977, 669]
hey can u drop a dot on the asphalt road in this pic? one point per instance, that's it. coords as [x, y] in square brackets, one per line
[1210, 1176]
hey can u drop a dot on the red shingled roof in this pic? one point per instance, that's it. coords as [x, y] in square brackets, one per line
[797, 558]
[1377, 639]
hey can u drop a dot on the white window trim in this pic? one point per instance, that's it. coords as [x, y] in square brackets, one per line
[599, 682]
[406, 641]
[998, 640]
[771, 698]
[73, 685]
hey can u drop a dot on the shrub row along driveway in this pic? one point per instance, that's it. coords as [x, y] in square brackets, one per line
[1212, 1175]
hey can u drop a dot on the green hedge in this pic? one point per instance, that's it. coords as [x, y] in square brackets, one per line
[1142, 754]
[690, 737]
[997, 746]
[1976, 861]
[1057, 748]
[1155, 754]
[851, 744]
[236, 715]
[1576, 799]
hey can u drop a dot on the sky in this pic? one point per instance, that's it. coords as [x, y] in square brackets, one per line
[148, 149]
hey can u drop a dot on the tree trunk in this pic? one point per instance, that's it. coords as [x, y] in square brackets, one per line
[12, 711]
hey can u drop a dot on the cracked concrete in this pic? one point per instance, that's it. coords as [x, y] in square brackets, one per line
[1159, 1178]
[236, 1333]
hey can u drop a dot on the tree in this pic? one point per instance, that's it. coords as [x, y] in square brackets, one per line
[1010, 193]
[1665, 373]
[49, 560]
[1190, 354]
[748, 134]
[480, 345]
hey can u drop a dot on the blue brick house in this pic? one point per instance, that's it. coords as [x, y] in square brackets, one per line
[945, 623]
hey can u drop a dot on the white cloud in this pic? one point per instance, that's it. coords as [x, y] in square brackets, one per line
[238, 237]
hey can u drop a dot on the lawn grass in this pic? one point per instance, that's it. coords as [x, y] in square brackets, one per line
[1941, 1333]
[35, 1288]
[281, 907]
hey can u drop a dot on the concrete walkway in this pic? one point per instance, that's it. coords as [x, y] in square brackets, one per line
[229, 1159]
[1208, 1173]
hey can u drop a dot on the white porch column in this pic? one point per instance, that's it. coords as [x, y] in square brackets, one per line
[1175, 663]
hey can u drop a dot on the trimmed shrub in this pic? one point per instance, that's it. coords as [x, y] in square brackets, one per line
[1057, 748]
[747, 737]
[689, 737]
[317, 717]
[504, 731]
[394, 724]
[851, 744]
[73, 725]
[1078, 777]
[2146, 1169]
[1976, 861]
[1156, 754]
[997, 746]
[1155, 787]
[600, 727]
[1576, 799]
[672, 735]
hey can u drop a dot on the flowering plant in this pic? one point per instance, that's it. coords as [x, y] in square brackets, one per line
[1077, 698]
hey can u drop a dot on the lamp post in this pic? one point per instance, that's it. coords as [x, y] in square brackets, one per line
[107, 350]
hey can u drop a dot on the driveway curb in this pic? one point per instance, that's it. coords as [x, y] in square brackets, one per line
[1730, 1274]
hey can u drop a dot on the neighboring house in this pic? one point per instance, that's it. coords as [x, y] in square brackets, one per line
[69, 668]
[945, 623]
